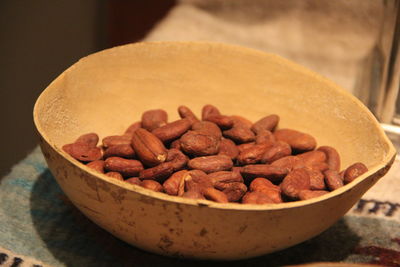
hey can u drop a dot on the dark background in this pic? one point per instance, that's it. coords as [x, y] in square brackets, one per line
[39, 39]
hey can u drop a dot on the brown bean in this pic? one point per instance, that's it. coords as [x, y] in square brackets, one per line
[296, 181]
[97, 165]
[158, 173]
[210, 164]
[256, 198]
[223, 177]
[252, 155]
[127, 167]
[234, 191]
[289, 163]
[245, 146]
[265, 137]
[215, 195]
[312, 158]
[172, 131]
[228, 148]
[152, 185]
[123, 151]
[265, 186]
[333, 180]
[224, 122]
[308, 194]
[153, 119]
[272, 173]
[208, 110]
[114, 140]
[186, 113]
[267, 123]
[207, 128]
[278, 150]
[258, 183]
[196, 180]
[115, 175]
[239, 134]
[298, 141]
[198, 144]
[241, 121]
[83, 152]
[91, 139]
[333, 158]
[177, 159]
[174, 182]
[317, 181]
[148, 147]
[320, 166]
[354, 171]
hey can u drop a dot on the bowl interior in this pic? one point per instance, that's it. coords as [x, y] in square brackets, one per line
[109, 90]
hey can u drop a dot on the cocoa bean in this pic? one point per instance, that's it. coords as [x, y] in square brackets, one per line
[272, 173]
[186, 113]
[333, 158]
[268, 123]
[174, 182]
[298, 141]
[198, 144]
[123, 151]
[210, 164]
[228, 148]
[296, 181]
[127, 167]
[239, 134]
[333, 180]
[207, 128]
[172, 131]
[152, 119]
[276, 151]
[354, 171]
[150, 150]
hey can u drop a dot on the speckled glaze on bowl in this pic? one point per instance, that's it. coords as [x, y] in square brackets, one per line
[107, 91]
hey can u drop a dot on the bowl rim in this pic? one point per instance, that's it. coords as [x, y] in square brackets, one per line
[384, 165]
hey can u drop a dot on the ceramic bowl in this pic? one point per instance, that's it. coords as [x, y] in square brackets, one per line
[107, 91]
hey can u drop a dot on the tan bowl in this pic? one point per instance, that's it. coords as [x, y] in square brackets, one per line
[107, 91]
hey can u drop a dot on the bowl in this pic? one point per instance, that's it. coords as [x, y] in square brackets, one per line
[107, 91]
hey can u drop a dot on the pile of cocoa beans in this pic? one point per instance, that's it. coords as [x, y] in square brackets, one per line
[220, 158]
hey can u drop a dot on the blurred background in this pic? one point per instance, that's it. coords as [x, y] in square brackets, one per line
[40, 39]
[355, 43]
